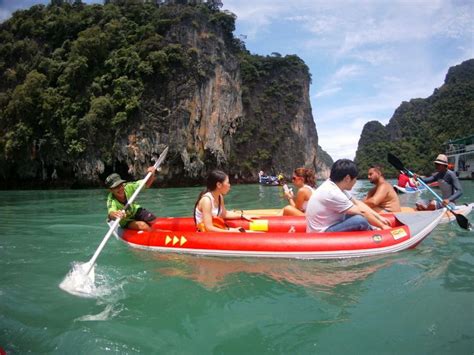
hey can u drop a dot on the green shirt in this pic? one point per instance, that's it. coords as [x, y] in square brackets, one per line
[115, 205]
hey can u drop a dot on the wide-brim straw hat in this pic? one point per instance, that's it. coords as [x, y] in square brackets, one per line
[441, 159]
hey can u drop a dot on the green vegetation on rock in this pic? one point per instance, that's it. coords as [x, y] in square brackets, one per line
[419, 128]
[80, 82]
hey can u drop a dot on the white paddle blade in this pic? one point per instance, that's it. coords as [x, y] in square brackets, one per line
[79, 282]
[161, 158]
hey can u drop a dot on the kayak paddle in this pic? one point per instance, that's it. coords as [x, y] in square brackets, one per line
[115, 224]
[463, 222]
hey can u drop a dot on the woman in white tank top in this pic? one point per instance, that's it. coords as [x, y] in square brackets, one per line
[210, 203]
[305, 180]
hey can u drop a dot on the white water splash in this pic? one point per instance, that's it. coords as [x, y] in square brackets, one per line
[93, 285]
[109, 312]
[78, 282]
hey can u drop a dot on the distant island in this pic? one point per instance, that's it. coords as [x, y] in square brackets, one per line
[421, 129]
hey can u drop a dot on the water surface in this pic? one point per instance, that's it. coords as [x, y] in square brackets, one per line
[419, 301]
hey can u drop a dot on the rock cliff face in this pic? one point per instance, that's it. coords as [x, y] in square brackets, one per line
[277, 132]
[209, 110]
[419, 128]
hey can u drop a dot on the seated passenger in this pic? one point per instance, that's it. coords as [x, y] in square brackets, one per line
[305, 180]
[210, 204]
[331, 207]
[405, 181]
[382, 197]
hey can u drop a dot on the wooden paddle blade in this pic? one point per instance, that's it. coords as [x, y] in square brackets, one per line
[392, 159]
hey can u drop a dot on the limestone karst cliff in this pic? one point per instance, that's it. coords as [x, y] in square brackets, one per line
[419, 128]
[91, 89]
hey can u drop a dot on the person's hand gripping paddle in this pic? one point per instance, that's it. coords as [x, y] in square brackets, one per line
[80, 280]
[463, 222]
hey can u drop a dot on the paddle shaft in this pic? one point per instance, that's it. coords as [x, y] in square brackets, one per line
[463, 222]
[117, 221]
[430, 190]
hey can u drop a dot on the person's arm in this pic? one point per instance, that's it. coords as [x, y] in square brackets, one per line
[290, 197]
[370, 194]
[206, 208]
[235, 214]
[373, 217]
[113, 212]
[428, 179]
[150, 181]
[377, 198]
[113, 215]
[301, 197]
[457, 189]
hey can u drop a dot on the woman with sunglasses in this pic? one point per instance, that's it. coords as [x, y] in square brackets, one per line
[305, 180]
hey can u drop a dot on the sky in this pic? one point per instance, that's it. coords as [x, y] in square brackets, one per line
[365, 56]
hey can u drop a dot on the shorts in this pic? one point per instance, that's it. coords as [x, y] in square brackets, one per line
[142, 215]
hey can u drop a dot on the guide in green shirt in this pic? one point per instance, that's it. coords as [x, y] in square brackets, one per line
[135, 217]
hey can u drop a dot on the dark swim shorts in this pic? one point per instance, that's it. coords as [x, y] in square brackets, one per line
[143, 215]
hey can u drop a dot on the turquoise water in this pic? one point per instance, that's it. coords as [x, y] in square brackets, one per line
[419, 301]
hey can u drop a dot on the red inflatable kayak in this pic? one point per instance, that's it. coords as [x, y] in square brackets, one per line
[283, 237]
[463, 209]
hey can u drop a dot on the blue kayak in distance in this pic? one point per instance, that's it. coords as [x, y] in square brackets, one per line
[409, 190]
[268, 180]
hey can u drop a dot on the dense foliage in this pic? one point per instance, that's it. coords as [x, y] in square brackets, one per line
[73, 77]
[272, 93]
[418, 129]
[90, 89]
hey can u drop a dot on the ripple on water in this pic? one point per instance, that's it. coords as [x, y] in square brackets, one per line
[110, 311]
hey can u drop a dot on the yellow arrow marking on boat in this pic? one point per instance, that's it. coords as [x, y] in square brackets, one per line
[175, 240]
[398, 233]
[259, 225]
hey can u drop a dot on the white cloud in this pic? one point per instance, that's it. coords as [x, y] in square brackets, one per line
[339, 127]
[391, 79]
[347, 113]
[333, 84]
[327, 92]
[339, 143]
[353, 28]
[256, 16]
[375, 57]
[346, 72]
[455, 23]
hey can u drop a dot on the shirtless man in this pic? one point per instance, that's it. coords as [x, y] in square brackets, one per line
[382, 197]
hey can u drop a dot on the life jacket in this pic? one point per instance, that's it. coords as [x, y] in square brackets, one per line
[216, 222]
